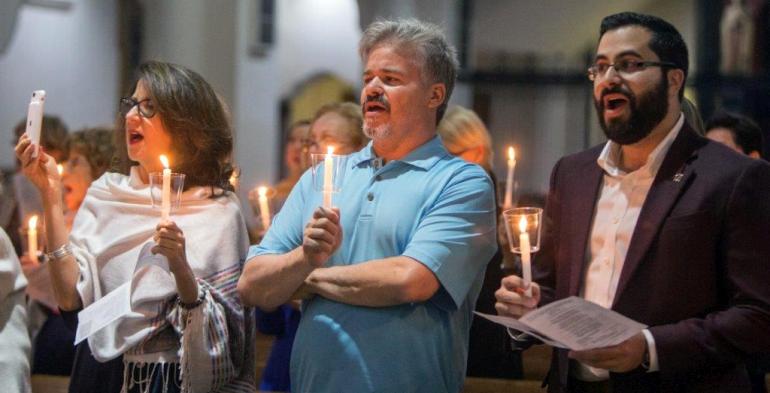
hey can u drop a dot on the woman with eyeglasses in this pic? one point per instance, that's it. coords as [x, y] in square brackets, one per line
[187, 330]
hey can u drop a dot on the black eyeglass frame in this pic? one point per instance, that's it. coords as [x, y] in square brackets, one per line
[638, 65]
[128, 103]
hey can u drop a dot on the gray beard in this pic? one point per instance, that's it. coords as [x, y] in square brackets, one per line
[375, 133]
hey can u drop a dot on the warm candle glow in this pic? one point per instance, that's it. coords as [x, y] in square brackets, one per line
[60, 169]
[165, 203]
[508, 200]
[328, 181]
[264, 207]
[526, 261]
[32, 238]
[32, 223]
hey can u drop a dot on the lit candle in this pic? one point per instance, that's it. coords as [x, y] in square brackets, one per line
[165, 201]
[60, 169]
[526, 263]
[508, 201]
[328, 173]
[264, 208]
[234, 180]
[32, 238]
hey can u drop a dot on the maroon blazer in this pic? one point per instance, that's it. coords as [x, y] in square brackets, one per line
[697, 269]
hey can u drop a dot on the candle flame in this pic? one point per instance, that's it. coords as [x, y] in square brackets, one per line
[511, 154]
[60, 169]
[523, 224]
[164, 160]
[33, 221]
[262, 191]
[330, 150]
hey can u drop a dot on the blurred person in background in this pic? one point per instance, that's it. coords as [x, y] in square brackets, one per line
[692, 116]
[339, 125]
[294, 158]
[736, 132]
[489, 354]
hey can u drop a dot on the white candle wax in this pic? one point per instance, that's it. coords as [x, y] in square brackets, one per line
[165, 201]
[508, 201]
[32, 238]
[264, 208]
[328, 174]
[526, 262]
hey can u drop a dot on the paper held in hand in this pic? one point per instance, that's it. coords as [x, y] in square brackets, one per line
[573, 323]
[117, 304]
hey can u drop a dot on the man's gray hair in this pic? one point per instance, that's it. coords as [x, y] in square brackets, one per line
[439, 57]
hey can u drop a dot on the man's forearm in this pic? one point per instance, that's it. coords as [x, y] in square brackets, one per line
[379, 283]
[270, 280]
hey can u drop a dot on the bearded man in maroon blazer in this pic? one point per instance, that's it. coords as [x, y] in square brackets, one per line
[658, 224]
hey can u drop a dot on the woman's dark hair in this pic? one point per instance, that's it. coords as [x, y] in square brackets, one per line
[746, 133]
[96, 145]
[196, 119]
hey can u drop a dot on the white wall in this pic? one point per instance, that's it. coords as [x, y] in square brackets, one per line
[199, 35]
[72, 55]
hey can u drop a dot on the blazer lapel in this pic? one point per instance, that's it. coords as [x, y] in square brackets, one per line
[581, 213]
[672, 178]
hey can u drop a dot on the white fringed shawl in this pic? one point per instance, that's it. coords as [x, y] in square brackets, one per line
[213, 343]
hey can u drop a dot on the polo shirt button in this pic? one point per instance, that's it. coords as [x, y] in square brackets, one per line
[370, 196]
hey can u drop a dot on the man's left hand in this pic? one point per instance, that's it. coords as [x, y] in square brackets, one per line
[304, 292]
[620, 358]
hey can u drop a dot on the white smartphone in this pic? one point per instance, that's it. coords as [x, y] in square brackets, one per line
[35, 119]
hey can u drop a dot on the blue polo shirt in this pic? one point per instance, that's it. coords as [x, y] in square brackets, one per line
[430, 206]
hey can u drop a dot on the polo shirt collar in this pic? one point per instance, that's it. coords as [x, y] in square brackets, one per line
[423, 157]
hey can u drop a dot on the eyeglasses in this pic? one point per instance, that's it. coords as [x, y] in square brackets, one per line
[146, 107]
[624, 67]
[313, 143]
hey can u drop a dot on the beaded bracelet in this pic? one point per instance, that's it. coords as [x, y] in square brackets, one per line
[60, 252]
[190, 306]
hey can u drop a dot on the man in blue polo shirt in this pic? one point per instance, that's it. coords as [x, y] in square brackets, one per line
[391, 274]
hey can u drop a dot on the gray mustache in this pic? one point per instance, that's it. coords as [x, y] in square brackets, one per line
[379, 99]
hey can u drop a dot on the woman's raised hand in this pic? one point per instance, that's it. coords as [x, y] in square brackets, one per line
[41, 170]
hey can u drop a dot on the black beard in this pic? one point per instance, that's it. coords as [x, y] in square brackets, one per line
[646, 114]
